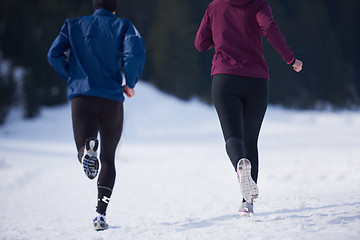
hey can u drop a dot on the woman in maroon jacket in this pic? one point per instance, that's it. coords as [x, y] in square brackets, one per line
[240, 79]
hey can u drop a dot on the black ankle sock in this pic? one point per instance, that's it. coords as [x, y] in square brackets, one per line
[104, 195]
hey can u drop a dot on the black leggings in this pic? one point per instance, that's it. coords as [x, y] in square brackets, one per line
[241, 104]
[93, 115]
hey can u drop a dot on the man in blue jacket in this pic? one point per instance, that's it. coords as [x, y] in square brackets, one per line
[90, 53]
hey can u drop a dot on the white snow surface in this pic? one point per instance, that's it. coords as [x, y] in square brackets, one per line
[174, 180]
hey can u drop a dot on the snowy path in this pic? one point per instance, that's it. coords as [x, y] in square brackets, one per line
[174, 180]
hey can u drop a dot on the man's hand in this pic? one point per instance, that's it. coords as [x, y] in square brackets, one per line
[297, 65]
[129, 91]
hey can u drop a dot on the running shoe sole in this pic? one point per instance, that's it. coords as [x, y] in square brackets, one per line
[90, 166]
[90, 161]
[249, 189]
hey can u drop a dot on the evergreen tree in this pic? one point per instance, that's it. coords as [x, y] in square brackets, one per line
[27, 31]
[310, 31]
[172, 54]
[7, 88]
[347, 26]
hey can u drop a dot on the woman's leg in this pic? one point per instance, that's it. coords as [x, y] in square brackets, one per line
[241, 104]
[255, 107]
[229, 107]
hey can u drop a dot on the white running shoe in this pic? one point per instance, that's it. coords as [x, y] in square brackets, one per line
[89, 160]
[100, 223]
[248, 187]
[246, 209]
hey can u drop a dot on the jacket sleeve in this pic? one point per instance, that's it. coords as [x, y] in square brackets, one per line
[133, 56]
[272, 32]
[203, 38]
[56, 55]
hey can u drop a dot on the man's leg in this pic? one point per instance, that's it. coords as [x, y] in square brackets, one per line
[84, 121]
[111, 124]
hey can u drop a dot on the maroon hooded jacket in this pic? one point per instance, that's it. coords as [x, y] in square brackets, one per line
[235, 28]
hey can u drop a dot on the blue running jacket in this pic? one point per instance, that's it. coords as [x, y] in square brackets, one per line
[91, 51]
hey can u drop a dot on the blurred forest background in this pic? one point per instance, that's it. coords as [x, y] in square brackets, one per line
[325, 34]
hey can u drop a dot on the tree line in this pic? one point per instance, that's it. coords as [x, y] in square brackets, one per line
[322, 33]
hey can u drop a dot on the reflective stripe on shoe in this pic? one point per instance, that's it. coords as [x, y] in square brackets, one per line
[246, 209]
[91, 146]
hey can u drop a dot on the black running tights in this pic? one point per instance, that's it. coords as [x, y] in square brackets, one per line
[241, 104]
[93, 115]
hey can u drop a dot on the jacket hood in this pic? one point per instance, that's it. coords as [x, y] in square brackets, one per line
[238, 2]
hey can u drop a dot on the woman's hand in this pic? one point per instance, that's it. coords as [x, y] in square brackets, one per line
[128, 91]
[297, 65]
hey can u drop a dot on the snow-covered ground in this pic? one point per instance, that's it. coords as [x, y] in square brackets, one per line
[174, 180]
